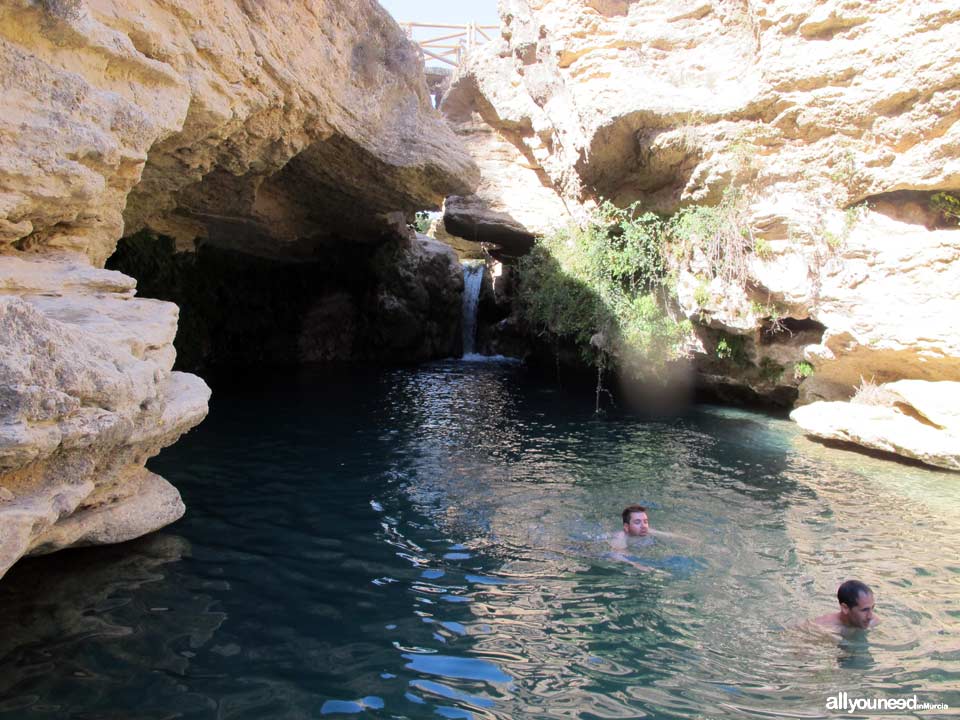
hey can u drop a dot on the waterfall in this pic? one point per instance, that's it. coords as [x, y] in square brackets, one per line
[472, 277]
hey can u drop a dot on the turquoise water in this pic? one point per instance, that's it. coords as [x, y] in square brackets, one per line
[429, 543]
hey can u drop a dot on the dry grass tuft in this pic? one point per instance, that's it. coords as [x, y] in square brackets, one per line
[870, 393]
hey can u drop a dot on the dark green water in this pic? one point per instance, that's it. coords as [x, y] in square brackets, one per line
[429, 543]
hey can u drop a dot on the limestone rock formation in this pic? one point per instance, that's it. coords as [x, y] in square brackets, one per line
[268, 126]
[919, 420]
[512, 205]
[418, 302]
[277, 130]
[87, 396]
[821, 129]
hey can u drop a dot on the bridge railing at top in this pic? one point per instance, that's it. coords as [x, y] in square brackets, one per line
[449, 48]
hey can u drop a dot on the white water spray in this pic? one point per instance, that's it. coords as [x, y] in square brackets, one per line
[472, 278]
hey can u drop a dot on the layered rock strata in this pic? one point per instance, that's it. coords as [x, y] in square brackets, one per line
[822, 129]
[87, 397]
[272, 127]
[278, 130]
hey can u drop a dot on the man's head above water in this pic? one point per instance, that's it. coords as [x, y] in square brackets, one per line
[635, 521]
[856, 609]
[856, 604]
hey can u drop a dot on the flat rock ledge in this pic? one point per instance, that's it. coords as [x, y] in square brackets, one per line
[916, 419]
[87, 395]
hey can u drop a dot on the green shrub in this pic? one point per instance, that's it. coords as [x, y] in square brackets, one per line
[604, 287]
[851, 216]
[947, 205]
[721, 231]
[724, 351]
[802, 370]
[701, 294]
[845, 170]
[421, 222]
[762, 249]
[770, 370]
[732, 348]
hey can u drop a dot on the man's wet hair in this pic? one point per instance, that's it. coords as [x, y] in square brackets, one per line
[849, 593]
[628, 511]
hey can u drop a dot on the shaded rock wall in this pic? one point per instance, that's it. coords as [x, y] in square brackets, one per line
[808, 110]
[397, 303]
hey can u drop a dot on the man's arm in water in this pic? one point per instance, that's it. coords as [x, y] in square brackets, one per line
[623, 558]
[665, 534]
[618, 544]
[618, 541]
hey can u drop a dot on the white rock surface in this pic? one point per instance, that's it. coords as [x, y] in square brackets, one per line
[920, 422]
[86, 397]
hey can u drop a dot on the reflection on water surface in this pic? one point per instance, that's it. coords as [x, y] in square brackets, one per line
[430, 542]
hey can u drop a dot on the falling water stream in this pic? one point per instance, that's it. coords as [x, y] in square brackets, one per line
[430, 542]
[472, 279]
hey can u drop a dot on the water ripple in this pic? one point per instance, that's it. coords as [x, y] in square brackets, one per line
[453, 561]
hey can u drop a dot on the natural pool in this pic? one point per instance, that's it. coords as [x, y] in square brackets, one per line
[426, 543]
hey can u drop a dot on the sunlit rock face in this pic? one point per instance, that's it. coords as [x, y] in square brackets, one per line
[279, 131]
[86, 397]
[914, 418]
[513, 204]
[297, 121]
[806, 111]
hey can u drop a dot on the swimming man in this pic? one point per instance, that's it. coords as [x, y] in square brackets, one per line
[856, 609]
[636, 531]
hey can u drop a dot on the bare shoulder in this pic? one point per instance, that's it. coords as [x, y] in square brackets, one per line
[830, 622]
[618, 541]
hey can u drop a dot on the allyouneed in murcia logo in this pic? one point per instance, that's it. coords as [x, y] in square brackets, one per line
[845, 702]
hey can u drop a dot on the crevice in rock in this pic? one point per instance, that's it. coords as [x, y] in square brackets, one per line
[784, 329]
[911, 412]
[780, 398]
[915, 206]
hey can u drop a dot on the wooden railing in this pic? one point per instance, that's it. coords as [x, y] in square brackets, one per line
[449, 48]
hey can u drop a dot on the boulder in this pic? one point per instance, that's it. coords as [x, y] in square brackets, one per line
[918, 420]
[417, 307]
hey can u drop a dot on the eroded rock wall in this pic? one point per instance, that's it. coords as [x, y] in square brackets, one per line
[283, 131]
[297, 121]
[832, 124]
[86, 397]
